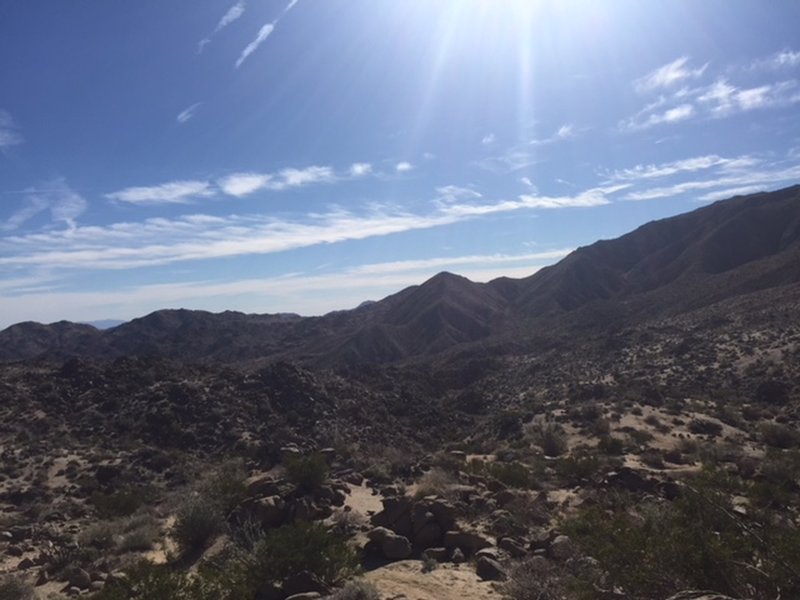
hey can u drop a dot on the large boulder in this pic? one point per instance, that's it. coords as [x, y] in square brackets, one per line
[489, 569]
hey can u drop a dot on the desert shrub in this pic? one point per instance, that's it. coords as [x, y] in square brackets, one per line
[578, 467]
[197, 522]
[348, 521]
[226, 486]
[704, 427]
[12, 588]
[653, 458]
[356, 590]
[307, 471]
[640, 437]
[98, 535]
[535, 579]
[611, 446]
[148, 581]
[512, 474]
[551, 439]
[120, 503]
[694, 542]
[435, 482]
[140, 537]
[772, 392]
[778, 436]
[299, 547]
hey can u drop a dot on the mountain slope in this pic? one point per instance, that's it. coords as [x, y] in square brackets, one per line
[740, 246]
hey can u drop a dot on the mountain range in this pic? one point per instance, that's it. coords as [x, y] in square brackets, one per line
[741, 246]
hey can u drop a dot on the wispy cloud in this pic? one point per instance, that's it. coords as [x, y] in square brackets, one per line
[693, 164]
[723, 99]
[263, 34]
[202, 237]
[9, 132]
[668, 75]
[297, 292]
[232, 14]
[786, 58]
[188, 113]
[488, 139]
[403, 167]
[173, 192]
[563, 133]
[715, 99]
[65, 205]
[512, 160]
[761, 176]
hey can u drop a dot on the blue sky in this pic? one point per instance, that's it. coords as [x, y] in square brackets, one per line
[305, 155]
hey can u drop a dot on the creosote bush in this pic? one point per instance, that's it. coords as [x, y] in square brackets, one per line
[308, 471]
[197, 522]
[299, 547]
[694, 542]
[552, 439]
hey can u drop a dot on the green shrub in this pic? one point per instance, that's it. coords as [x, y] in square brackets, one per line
[612, 446]
[197, 522]
[512, 474]
[307, 471]
[704, 427]
[551, 439]
[226, 486]
[695, 542]
[578, 467]
[148, 581]
[778, 436]
[120, 503]
[300, 547]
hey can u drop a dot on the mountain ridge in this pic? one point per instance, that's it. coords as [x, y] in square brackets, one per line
[742, 245]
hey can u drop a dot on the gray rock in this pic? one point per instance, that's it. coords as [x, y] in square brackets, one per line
[437, 554]
[489, 569]
[561, 548]
[396, 547]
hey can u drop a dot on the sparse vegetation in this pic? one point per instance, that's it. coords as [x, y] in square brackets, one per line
[197, 523]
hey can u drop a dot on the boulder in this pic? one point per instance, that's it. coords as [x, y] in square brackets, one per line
[561, 548]
[437, 554]
[396, 547]
[489, 569]
[513, 546]
[469, 542]
[269, 512]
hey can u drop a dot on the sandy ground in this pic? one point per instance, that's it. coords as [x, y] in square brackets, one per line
[405, 580]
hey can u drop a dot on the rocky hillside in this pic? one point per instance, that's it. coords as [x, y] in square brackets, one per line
[731, 248]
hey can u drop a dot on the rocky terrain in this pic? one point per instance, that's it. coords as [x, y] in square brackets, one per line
[623, 424]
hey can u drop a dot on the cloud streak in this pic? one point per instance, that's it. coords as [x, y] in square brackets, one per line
[263, 34]
[188, 113]
[65, 205]
[232, 14]
[202, 237]
[9, 132]
[173, 192]
[668, 75]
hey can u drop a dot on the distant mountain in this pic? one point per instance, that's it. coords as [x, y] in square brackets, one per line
[730, 248]
[104, 323]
